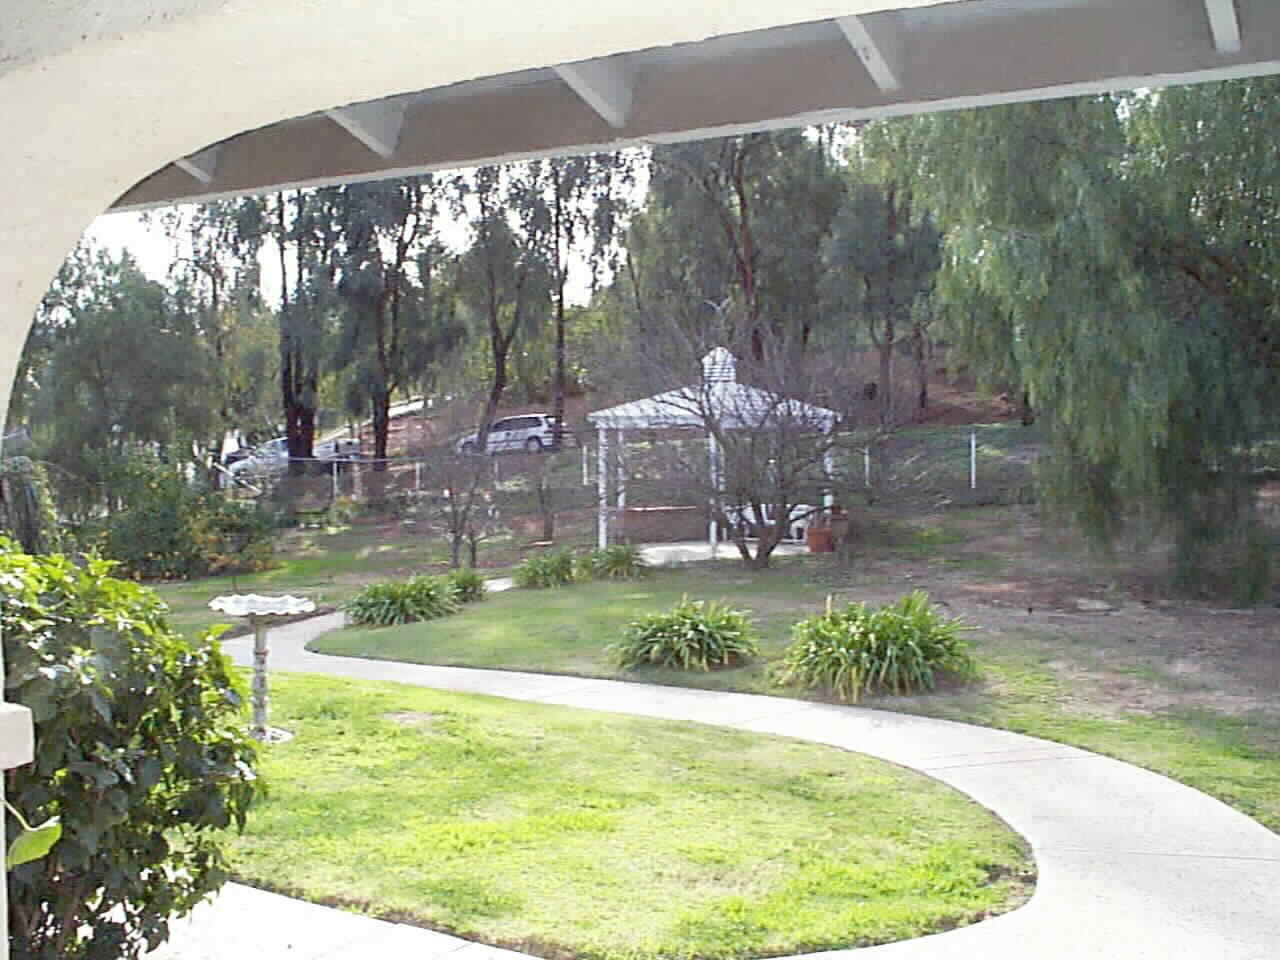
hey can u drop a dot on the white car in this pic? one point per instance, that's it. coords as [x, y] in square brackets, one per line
[269, 457]
[273, 456]
[528, 432]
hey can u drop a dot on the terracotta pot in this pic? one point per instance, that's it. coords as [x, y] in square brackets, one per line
[820, 540]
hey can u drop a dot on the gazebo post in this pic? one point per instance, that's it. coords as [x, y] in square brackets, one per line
[828, 468]
[621, 457]
[602, 486]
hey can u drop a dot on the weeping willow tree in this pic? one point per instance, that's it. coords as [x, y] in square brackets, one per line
[26, 508]
[1116, 256]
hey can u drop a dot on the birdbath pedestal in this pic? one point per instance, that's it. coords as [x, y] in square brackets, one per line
[259, 611]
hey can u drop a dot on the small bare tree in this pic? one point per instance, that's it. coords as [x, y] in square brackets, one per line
[756, 430]
[460, 500]
[457, 489]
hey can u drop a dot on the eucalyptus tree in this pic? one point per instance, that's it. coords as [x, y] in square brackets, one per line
[1125, 246]
[305, 230]
[505, 280]
[882, 255]
[395, 281]
[734, 227]
[216, 274]
[582, 207]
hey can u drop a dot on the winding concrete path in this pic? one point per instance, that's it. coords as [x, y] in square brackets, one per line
[1131, 864]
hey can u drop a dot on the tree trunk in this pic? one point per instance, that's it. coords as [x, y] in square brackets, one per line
[546, 507]
[298, 379]
[496, 390]
[922, 369]
[1026, 411]
[558, 387]
[381, 403]
[886, 375]
[890, 320]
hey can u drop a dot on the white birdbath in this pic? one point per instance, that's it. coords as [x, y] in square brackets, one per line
[259, 610]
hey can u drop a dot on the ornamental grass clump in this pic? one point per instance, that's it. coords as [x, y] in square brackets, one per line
[693, 635]
[622, 561]
[900, 648]
[467, 585]
[548, 570]
[394, 602]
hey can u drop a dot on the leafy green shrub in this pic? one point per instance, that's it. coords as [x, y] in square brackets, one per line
[554, 569]
[171, 530]
[618, 562]
[392, 602]
[899, 648]
[141, 753]
[467, 585]
[694, 635]
[27, 509]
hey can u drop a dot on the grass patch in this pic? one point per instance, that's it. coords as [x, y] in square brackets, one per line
[330, 566]
[552, 830]
[567, 631]
[1234, 759]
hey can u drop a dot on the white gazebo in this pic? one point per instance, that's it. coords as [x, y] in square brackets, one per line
[721, 403]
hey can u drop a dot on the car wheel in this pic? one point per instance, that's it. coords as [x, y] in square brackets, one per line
[533, 445]
[469, 448]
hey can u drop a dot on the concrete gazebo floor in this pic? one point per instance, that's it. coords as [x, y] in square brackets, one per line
[1130, 864]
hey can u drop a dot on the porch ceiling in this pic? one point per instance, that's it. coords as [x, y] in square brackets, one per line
[923, 56]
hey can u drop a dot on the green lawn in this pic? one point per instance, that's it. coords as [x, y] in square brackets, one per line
[326, 565]
[331, 564]
[566, 831]
[566, 630]
[338, 826]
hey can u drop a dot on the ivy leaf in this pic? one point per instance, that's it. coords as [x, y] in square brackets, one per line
[32, 843]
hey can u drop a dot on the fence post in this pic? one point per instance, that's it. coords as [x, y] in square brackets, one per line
[973, 460]
[417, 475]
[866, 466]
[586, 475]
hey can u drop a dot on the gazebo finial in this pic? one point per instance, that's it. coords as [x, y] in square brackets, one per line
[719, 366]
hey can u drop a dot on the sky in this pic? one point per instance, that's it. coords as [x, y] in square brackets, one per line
[149, 246]
[155, 252]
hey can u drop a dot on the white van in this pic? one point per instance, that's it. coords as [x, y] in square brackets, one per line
[527, 432]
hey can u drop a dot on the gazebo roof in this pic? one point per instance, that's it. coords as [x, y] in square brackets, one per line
[720, 399]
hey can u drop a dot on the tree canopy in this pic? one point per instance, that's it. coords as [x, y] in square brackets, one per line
[1109, 259]
[1116, 254]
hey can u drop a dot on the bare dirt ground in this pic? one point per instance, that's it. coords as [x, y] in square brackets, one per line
[1124, 643]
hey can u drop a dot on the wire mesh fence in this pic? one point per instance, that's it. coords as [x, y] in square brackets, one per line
[929, 467]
